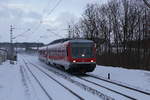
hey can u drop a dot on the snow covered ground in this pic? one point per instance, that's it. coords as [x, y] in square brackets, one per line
[11, 85]
[17, 84]
[136, 78]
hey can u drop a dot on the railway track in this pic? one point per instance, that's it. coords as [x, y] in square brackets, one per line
[81, 85]
[50, 98]
[70, 78]
[140, 94]
[129, 97]
[88, 88]
[118, 84]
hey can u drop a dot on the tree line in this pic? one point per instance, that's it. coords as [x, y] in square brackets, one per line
[121, 31]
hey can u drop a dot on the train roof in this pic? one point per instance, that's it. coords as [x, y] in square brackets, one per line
[70, 40]
[80, 40]
[59, 41]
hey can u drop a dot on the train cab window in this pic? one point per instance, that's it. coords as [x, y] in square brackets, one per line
[82, 51]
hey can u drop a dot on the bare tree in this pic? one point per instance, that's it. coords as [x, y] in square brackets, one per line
[119, 28]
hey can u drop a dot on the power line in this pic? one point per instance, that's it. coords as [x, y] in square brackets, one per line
[54, 7]
[40, 21]
[44, 10]
[21, 34]
[51, 11]
[55, 33]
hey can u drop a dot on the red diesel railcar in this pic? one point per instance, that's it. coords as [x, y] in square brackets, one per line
[74, 55]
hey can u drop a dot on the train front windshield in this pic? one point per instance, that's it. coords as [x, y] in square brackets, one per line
[82, 50]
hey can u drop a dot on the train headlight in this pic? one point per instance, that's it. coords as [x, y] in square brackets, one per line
[74, 61]
[82, 55]
[92, 61]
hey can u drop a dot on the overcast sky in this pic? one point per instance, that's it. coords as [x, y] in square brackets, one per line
[25, 16]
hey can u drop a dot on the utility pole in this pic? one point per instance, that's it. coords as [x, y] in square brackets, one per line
[11, 34]
[11, 44]
[69, 31]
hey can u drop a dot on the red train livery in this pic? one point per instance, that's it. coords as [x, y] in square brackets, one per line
[74, 55]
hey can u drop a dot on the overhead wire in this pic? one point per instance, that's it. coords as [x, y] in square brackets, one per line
[54, 33]
[40, 22]
[44, 9]
[20, 34]
[51, 11]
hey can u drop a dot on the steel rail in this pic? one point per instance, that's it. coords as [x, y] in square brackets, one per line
[118, 84]
[75, 94]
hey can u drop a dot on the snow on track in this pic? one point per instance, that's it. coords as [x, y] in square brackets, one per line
[135, 78]
[51, 86]
[46, 93]
[145, 93]
[125, 91]
[86, 95]
[109, 89]
[94, 88]
[119, 84]
[32, 86]
[79, 88]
